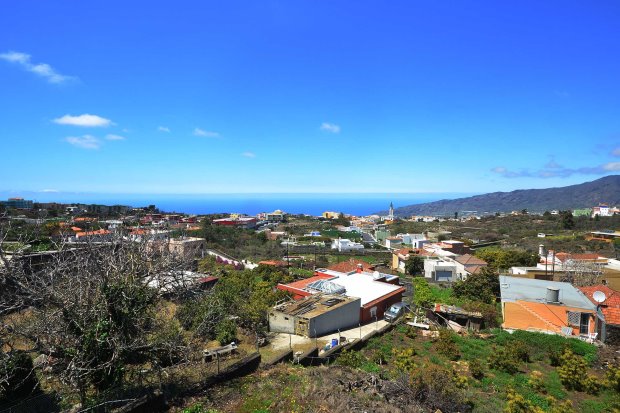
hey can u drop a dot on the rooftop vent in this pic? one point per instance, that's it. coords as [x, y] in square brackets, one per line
[553, 295]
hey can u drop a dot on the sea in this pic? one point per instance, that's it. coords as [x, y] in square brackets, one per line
[252, 203]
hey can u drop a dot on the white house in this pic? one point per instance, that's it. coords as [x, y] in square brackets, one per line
[410, 238]
[393, 242]
[343, 244]
[438, 270]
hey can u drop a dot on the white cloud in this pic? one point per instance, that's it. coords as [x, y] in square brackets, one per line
[499, 169]
[86, 120]
[616, 152]
[163, 129]
[41, 69]
[612, 166]
[249, 154]
[84, 142]
[206, 133]
[330, 127]
[112, 137]
[53, 191]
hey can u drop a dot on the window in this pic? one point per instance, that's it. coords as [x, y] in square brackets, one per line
[574, 319]
[373, 312]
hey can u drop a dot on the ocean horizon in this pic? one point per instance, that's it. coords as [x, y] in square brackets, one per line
[249, 203]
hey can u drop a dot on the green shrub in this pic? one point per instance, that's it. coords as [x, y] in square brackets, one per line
[350, 358]
[439, 388]
[516, 403]
[226, 332]
[612, 378]
[503, 359]
[591, 385]
[536, 381]
[560, 407]
[411, 333]
[539, 343]
[476, 369]
[555, 356]
[520, 350]
[574, 376]
[404, 360]
[572, 370]
[446, 346]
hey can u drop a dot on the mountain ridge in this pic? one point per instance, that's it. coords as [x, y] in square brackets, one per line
[584, 195]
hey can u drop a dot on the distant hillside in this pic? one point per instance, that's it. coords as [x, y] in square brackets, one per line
[584, 195]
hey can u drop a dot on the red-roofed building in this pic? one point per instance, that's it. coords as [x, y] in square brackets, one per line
[236, 221]
[351, 265]
[298, 288]
[610, 307]
[273, 263]
[377, 291]
[468, 264]
[564, 258]
[97, 235]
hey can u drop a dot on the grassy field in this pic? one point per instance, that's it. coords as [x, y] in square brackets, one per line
[403, 356]
[488, 394]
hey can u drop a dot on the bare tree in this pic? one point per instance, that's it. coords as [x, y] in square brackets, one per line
[581, 273]
[88, 308]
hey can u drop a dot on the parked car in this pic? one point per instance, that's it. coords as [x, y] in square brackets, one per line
[395, 311]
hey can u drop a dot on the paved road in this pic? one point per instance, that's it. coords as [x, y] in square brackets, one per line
[368, 238]
[281, 341]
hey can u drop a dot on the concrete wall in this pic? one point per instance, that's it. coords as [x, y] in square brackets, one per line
[432, 267]
[281, 323]
[341, 318]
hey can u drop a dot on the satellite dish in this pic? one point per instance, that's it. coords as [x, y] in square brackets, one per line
[599, 296]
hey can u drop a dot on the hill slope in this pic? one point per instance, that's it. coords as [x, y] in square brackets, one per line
[588, 194]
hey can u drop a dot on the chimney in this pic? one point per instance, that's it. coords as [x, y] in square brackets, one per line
[553, 295]
[359, 269]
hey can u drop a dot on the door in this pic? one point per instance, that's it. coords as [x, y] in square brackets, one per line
[584, 325]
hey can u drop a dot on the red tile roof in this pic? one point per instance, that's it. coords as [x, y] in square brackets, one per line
[563, 256]
[610, 307]
[97, 232]
[415, 251]
[469, 259]
[474, 269]
[351, 265]
[273, 263]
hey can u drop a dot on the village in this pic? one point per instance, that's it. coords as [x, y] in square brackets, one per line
[333, 288]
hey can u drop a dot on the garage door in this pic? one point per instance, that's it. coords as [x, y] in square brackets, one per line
[443, 276]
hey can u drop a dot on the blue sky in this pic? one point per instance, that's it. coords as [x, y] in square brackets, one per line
[307, 96]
